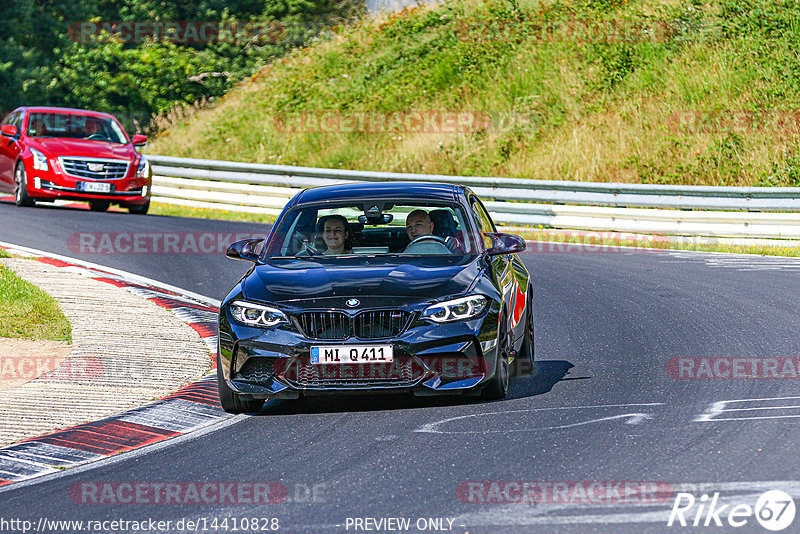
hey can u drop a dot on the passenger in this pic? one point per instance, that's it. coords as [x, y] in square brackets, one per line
[36, 127]
[418, 224]
[336, 234]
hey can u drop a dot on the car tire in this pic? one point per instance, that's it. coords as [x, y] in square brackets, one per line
[497, 387]
[523, 363]
[21, 197]
[139, 209]
[230, 401]
[99, 205]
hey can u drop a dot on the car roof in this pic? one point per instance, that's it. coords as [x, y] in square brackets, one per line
[67, 111]
[380, 190]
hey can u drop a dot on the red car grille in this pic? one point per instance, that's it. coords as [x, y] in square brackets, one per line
[94, 169]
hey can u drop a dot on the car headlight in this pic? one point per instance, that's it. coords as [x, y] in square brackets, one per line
[253, 314]
[143, 169]
[455, 310]
[39, 160]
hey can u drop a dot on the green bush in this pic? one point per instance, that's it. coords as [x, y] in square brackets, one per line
[40, 64]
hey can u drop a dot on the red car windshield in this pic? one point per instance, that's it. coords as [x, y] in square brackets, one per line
[75, 127]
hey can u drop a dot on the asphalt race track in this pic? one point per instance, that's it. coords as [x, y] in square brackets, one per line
[614, 401]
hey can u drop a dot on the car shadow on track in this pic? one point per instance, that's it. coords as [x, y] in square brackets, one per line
[545, 375]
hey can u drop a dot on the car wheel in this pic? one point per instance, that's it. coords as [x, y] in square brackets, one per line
[99, 205]
[139, 209]
[21, 197]
[497, 387]
[231, 402]
[523, 363]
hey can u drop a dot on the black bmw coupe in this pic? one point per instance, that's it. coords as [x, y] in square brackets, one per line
[376, 287]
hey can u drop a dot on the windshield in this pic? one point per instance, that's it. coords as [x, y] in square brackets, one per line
[75, 127]
[372, 228]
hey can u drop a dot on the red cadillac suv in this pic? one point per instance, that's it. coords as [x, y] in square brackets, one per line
[49, 153]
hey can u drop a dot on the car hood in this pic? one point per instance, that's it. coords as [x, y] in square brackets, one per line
[54, 147]
[292, 281]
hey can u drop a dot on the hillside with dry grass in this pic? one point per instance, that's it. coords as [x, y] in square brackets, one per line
[651, 91]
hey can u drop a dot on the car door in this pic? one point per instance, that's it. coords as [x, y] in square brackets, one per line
[506, 270]
[9, 150]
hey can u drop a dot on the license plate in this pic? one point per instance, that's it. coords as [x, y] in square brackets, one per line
[96, 187]
[338, 354]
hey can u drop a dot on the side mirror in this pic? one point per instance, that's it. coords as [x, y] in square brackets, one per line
[504, 243]
[9, 130]
[139, 140]
[246, 249]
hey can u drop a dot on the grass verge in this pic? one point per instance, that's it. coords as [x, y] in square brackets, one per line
[28, 312]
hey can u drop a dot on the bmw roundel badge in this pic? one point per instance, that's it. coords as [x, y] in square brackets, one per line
[353, 303]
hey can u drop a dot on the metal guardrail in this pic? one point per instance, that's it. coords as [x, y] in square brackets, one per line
[715, 211]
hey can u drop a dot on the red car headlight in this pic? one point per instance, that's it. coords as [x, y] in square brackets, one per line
[143, 170]
[39, 161]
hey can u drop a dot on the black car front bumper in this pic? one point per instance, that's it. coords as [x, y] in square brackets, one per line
[429, 359]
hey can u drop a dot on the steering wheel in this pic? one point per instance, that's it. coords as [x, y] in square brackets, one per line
[428, 238]
[97, 137]
[308, 249]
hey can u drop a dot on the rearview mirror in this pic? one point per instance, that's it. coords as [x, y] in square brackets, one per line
[246, 249]
[504, 243]
[9, 130]
[139, 140]
[375, 220]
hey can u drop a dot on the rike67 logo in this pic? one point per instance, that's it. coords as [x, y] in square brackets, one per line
[774, 510]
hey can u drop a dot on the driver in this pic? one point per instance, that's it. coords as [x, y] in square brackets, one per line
[418, 224]
[92, 127]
